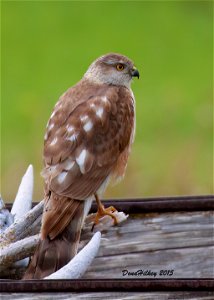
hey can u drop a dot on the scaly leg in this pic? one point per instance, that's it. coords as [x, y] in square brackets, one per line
[102, 211]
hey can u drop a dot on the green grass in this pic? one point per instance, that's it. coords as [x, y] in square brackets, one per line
[47, 47]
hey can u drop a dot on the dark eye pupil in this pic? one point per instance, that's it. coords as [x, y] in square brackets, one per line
[120, 67]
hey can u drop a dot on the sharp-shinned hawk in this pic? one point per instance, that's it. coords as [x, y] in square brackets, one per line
[87, 143]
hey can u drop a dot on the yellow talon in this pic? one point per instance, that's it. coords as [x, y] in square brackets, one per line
[102, 211]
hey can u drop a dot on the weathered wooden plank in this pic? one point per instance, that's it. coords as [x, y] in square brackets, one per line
[152, 232]
[186, 263]
[182, 242]
[112, 296]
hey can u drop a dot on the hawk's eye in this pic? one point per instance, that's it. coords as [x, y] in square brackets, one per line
[120, 67]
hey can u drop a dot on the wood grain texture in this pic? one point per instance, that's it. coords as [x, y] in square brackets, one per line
[111, 296]
[181, 241]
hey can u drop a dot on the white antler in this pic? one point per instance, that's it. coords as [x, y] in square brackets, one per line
[18, 250]
[80, 263]
[23, 201]
[20, 239]
[22, 227]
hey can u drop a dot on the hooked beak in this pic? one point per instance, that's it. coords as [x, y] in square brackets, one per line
[135, 73]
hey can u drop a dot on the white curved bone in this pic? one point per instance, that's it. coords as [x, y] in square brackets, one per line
[23, 201]
[16, 244]
[18, 250]
[23, 227]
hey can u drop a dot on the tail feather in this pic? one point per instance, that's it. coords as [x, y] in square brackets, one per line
[56, 229]
[57, 248]
[50, 256]
[57, 214]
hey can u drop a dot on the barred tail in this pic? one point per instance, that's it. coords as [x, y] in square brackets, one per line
[61, 228]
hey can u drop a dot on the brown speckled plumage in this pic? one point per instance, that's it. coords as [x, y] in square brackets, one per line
[87, 142]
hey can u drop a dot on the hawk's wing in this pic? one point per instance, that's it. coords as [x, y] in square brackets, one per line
[85, 137]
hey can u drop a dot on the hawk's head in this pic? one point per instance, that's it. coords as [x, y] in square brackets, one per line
[113, 69]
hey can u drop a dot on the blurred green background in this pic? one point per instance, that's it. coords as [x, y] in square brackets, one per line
[48, 45]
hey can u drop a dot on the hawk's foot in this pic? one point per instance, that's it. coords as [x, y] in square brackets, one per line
[102, 211]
